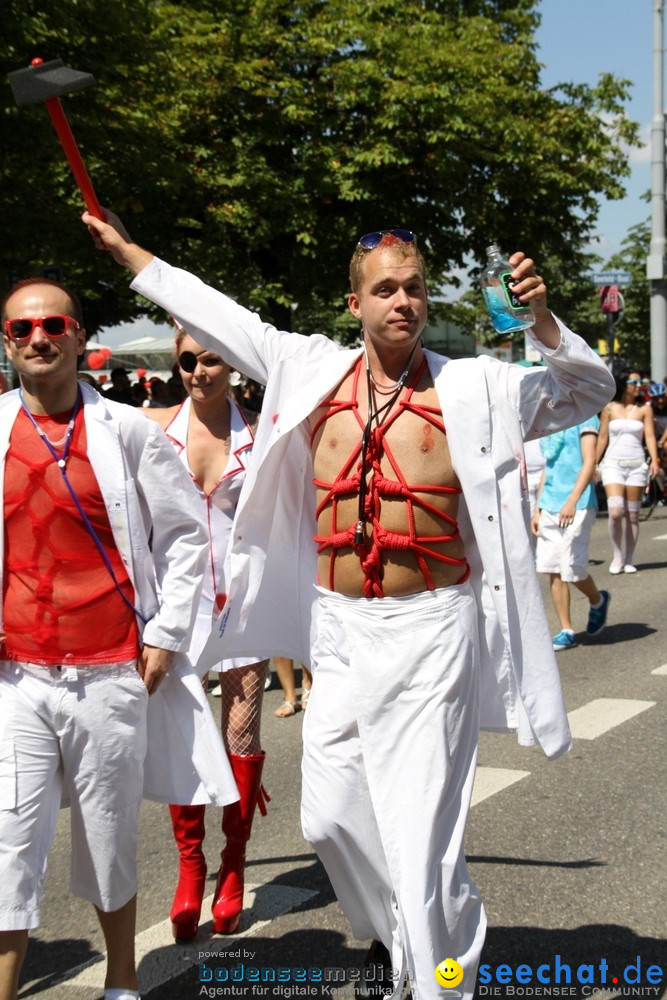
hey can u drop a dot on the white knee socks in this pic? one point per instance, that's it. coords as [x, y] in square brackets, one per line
[616, 509]
[631, 530]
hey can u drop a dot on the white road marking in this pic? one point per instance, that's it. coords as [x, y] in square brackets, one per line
[160, 958]
[489, 780]
[661, 671]
[660, 538]
[603, 714]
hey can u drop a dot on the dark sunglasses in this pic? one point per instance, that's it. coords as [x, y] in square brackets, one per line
[188, 361]
[372, 240]
[52, 326]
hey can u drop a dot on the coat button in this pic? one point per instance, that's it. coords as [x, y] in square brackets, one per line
[482, 449]
[496, 586]
[490, 517]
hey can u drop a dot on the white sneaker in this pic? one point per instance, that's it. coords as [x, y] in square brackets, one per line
[629, 568]
[616, 568]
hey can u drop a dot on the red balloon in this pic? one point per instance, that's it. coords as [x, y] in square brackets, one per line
[96, 360]
[106, 352]
[141, 372]
[101, 379]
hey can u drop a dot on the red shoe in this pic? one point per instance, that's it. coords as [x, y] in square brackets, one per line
[236, 825]
[188, 824]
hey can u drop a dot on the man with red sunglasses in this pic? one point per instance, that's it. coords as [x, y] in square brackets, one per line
[418, 590]
[93, 618]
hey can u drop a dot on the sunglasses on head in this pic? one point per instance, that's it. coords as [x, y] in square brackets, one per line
[188, 361]
[52, 326]
[372, 240]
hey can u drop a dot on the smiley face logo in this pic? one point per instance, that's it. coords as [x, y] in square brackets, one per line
[449, 973]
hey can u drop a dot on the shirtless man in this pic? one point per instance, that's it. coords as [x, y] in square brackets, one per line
[420, 613]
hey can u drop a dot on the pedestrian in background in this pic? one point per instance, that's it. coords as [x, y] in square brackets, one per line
[567, 508]
[626, 428]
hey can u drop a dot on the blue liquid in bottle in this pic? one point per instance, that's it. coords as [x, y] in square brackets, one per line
[508, 314]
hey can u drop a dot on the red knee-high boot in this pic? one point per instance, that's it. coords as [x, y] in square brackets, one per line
[236, 826]
[188, 824]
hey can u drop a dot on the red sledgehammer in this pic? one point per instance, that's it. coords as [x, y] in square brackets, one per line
[48, 81]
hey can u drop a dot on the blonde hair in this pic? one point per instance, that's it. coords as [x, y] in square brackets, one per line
[388, 242]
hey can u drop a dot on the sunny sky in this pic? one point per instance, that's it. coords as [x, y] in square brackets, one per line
[578, 40]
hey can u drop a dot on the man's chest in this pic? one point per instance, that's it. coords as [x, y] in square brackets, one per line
[407, 441]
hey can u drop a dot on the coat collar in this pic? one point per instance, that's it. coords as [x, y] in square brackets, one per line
[241, 437]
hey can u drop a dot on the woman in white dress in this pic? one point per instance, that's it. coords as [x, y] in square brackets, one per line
[626, 428]
[213, 437]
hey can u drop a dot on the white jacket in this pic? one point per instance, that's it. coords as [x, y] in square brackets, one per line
[162, 540]
[489, 408]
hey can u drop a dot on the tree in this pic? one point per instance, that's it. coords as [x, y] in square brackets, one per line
[254, 142]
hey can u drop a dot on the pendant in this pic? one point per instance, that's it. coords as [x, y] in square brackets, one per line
[61, 463]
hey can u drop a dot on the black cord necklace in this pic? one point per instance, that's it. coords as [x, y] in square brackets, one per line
[374, 414]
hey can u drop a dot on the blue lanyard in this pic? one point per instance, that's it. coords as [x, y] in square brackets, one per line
[61, 462]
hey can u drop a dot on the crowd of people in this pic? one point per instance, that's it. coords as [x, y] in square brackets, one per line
[365, 515]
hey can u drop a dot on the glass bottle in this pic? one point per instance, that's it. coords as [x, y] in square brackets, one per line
[508, 314]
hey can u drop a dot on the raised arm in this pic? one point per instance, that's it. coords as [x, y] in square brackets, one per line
[215, 321]
[114, 237]
[532, 290]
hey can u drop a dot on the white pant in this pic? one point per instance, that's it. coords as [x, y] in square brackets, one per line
[390, 747]
[564, 551]
[78, 732]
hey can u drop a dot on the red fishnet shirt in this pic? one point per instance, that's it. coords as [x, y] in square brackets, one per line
[60, 603]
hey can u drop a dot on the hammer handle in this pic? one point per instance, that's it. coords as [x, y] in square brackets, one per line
[67, 141]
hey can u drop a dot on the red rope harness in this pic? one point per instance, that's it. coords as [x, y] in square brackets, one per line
[347, 484]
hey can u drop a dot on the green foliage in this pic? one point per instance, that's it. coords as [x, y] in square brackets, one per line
[253, 142]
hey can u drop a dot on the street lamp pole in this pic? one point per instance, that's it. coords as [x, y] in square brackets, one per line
[655, 263]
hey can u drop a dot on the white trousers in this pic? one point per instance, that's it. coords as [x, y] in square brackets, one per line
[78, 733]
[390, 748]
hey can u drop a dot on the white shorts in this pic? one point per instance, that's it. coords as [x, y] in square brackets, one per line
[621, 474]
[78, 733]
[390, 747]
[564, 551]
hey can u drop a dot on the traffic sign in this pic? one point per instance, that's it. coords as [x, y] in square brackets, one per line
[611, 277]
[609, 299]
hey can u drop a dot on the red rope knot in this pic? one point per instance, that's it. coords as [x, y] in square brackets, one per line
[391, 487]
[345, 487]
[392, 539]
[337, 541]
[44, 590]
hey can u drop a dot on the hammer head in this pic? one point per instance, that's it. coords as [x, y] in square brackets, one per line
[42, 81]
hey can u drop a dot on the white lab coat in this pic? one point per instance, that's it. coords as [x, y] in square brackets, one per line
[162, 540]
[489, 408]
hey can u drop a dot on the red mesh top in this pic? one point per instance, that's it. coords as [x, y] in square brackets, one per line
[347, 484]
[60, 603]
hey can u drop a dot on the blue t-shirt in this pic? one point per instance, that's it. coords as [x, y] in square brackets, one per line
[562, 451]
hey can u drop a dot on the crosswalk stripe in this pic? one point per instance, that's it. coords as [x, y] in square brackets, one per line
[661, 671]
[489, 780]
[660, 538]
[602, 714]
[160, 958]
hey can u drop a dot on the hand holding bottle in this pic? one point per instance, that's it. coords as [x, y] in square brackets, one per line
[513, 292]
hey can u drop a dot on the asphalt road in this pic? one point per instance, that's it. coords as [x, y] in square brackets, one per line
[569, 855]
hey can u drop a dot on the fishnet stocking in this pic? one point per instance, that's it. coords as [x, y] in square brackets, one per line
[241, 708]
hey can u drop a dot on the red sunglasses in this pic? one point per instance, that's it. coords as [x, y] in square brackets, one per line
[52, 326]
